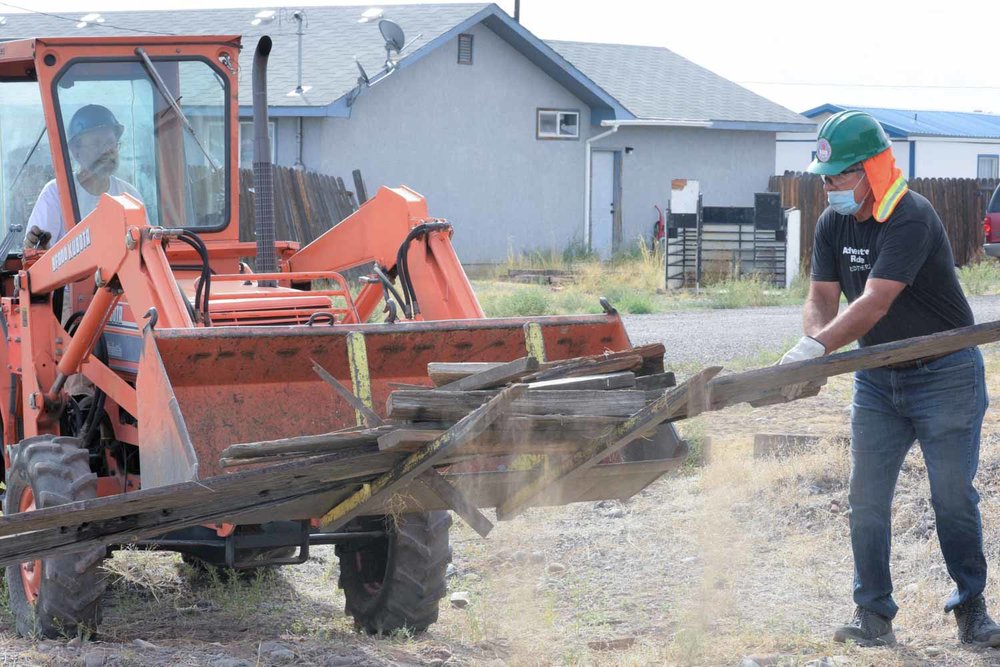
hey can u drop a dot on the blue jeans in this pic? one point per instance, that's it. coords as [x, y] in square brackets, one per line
[941, 403]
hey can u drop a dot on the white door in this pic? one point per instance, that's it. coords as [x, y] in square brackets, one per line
[602, 203]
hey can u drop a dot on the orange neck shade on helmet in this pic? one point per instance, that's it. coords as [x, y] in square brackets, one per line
[887, 183]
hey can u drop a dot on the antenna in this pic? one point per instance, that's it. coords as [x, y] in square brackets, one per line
[363, 78]
[299, 89]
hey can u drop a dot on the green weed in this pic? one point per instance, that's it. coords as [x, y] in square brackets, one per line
[981, 278]
[752, 291]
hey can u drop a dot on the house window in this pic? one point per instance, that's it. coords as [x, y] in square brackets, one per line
[988, 166]
[558, 124]
[465, 49]
[246, 143]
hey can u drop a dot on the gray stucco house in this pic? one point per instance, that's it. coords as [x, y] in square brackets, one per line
[523, 144]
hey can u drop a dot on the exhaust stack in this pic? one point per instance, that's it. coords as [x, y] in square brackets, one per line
[263, 170]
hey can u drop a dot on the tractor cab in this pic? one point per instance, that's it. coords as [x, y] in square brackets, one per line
[154, 120]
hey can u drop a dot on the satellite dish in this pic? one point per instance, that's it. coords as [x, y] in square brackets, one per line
[393, 35]
[364, 75]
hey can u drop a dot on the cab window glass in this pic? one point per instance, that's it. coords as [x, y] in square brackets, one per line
[25, 159]
[161, 139]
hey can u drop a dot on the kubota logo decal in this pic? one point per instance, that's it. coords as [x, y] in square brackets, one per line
[823, 150]
[71, 250]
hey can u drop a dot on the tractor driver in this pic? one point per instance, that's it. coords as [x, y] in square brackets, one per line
[94, 135]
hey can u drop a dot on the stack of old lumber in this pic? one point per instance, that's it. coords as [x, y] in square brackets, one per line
[357, 469]
[559, 403]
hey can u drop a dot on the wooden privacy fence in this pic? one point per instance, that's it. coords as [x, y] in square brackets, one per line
[961, 203]
[306, 203]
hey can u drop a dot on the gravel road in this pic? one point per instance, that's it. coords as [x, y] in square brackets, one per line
[717, 336]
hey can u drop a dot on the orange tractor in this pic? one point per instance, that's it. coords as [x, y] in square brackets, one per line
[140, 347]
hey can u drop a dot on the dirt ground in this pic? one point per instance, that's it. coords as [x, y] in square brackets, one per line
[733, 558]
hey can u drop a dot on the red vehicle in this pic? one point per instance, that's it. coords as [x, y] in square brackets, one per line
[991, 226]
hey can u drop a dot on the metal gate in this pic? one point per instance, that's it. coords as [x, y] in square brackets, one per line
[727, 242]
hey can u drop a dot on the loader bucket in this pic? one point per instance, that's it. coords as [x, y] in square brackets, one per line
[202, 390]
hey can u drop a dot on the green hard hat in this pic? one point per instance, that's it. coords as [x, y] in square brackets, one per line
[846, 138]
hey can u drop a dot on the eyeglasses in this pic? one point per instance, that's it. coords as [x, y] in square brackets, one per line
[841, 177]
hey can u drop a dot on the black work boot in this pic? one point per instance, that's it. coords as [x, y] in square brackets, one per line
[866, 629]
[975, 625]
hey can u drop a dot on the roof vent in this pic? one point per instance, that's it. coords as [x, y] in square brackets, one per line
[264, 16]
[89, 19]
[371, 15]
[465, 49]
[3, 20]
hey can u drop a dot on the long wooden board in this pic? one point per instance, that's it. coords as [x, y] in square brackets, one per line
[440, 405]
[751, 385]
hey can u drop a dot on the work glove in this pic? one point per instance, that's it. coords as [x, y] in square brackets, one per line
[37, 238]
[806, 348]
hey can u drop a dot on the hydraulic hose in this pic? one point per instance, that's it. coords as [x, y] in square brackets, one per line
[205, 284]
[403, 267]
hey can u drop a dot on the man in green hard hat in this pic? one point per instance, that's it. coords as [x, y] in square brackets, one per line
[884, 247]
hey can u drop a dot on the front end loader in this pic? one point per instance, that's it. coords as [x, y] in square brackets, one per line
[161, 393]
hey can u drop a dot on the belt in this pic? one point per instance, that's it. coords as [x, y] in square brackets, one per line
[904, 365]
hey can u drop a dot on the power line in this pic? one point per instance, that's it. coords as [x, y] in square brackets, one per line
[867, 85]
[72, 20]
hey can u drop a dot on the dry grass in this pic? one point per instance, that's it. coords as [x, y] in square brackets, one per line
[740, 557]
[632, 282]
[737, 557]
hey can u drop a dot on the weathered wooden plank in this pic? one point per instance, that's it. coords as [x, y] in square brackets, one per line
[752, 385]
[411, 435]
[443, 372]
[369, 416]
[306, 443]
[359, 187]
[407, 385]
[468, 428]
[496, 376]
[143, 525]
[689, 395]
[514, 434]
[622, 380]
[450, 405]
[217, 496]
[611, 363]
[657, 381]
[457, 501]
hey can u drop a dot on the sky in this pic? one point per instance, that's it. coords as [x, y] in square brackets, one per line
[798, 53]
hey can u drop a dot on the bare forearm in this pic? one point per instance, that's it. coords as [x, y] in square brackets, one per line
[816, 314]
[856, 320]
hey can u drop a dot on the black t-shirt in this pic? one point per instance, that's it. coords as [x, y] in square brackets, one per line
[910, 247]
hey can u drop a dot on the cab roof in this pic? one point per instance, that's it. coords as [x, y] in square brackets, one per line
[17, 57]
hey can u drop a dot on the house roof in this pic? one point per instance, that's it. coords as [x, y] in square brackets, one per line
[656, 83]
[332, 38]
[900, 123]
[617, 82]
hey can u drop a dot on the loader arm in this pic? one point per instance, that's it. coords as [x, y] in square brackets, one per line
[375, 234]
[124, 256]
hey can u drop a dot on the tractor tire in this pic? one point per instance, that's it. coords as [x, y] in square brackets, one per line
[395, 582]
[59, 596]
